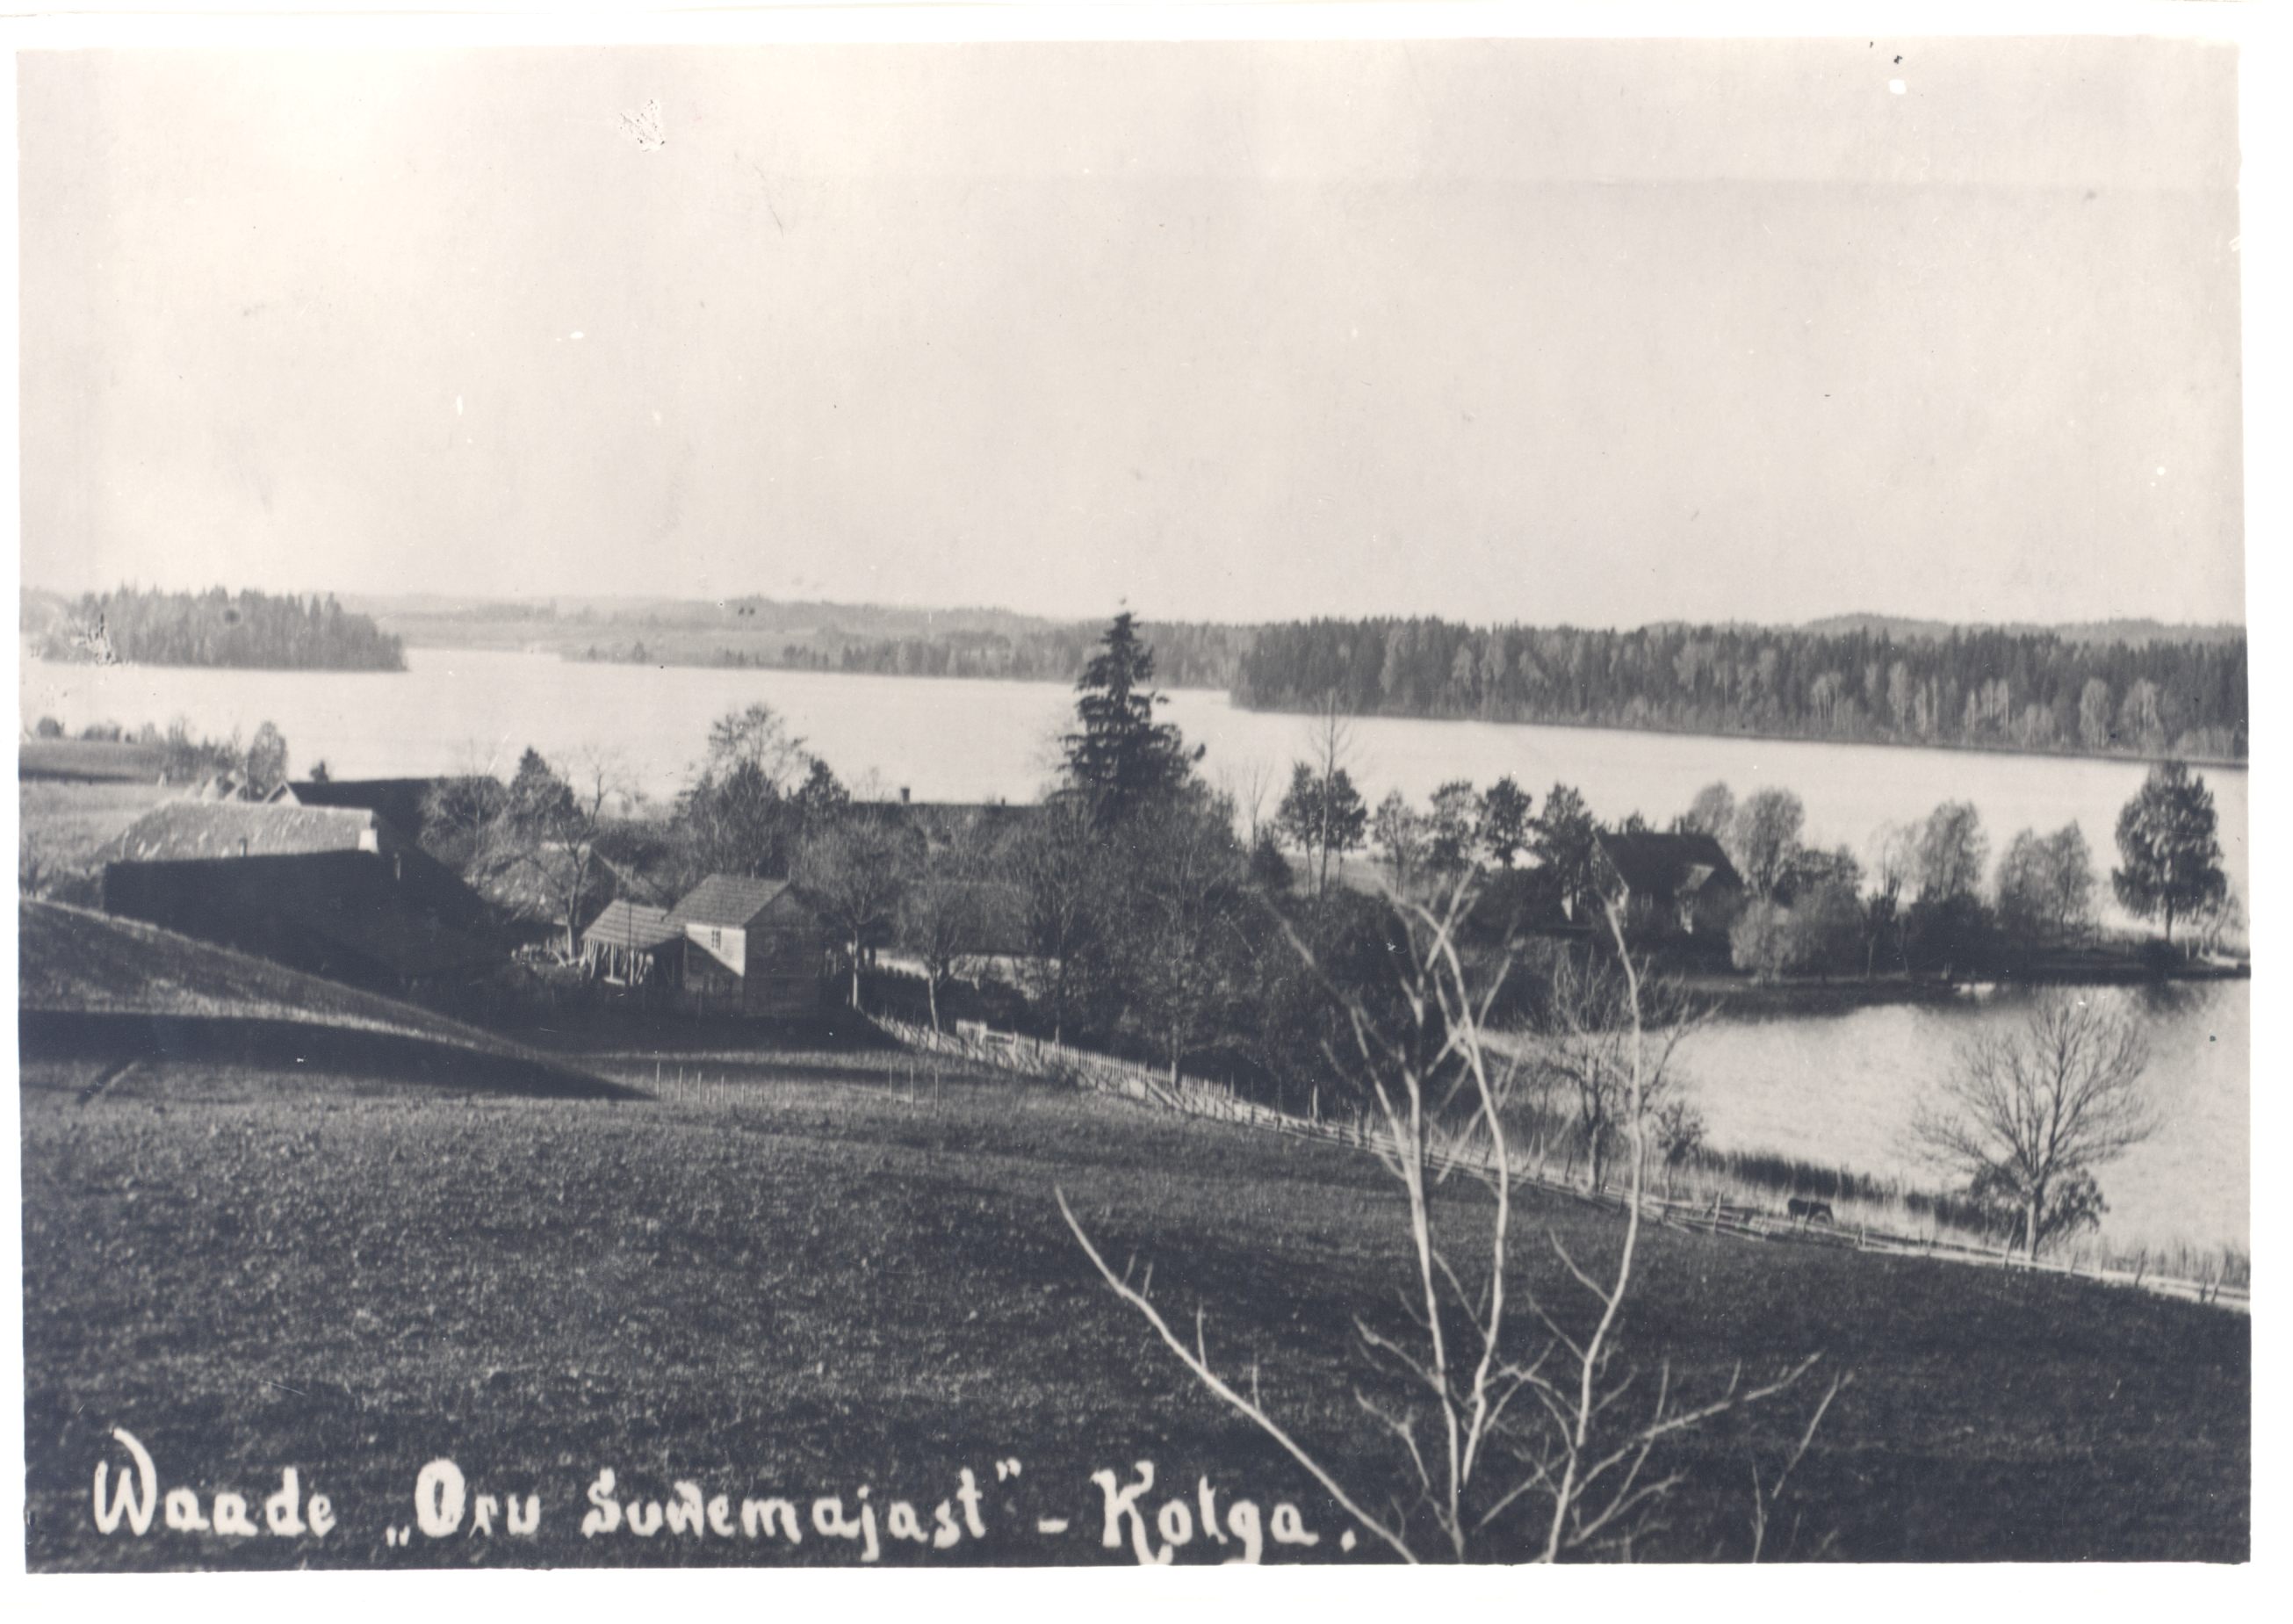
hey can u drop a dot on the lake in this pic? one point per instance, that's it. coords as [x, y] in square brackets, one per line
[948, 739]
[1837, 1089]
[1841, 1089]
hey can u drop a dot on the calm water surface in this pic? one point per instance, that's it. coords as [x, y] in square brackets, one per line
[1841, 1089]
[1837, 1089]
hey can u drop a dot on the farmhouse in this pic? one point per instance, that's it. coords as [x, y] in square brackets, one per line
[751, 946]
[1669, 882]
[934, 823]
[332, 891]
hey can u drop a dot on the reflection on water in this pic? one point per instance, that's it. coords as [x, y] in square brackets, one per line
[1841, 1089]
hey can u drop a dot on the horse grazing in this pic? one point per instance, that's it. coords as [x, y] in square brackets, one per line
[1806, 1210]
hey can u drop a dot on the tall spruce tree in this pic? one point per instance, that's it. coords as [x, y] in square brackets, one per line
[1123, 758]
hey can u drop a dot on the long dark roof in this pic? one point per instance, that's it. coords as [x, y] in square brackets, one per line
[995, 816]
[1664, 865]
[726, 900]
[326, 911]
[187, 830]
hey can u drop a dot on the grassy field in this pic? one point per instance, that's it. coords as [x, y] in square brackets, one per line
[70, 820]
[115, 991]
[798, 1278]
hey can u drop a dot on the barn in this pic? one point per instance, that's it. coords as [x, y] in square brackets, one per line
[752, 946]
[332, 891]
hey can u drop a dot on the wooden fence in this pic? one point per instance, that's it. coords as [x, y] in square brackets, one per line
[1192, 1096]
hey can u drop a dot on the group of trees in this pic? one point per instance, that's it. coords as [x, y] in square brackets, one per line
[185, 758]
[217, 628]
[1921, 901]
[2036, 691]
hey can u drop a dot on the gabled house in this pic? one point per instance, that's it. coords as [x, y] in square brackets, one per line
[1668, 884]
[751, 946]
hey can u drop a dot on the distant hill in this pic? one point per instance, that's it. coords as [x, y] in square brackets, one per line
[2134, 634]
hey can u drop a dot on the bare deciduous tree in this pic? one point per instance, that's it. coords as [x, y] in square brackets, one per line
[2028, 1110]
[1504, 1412]
[1609, 1035]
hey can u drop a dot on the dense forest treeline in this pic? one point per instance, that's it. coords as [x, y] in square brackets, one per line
[1188, 654]
[2012, 690]
[217, 628]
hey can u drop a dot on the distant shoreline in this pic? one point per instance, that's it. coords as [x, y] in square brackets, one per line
[1756, 736]
[2212, 763]
[2218, 763]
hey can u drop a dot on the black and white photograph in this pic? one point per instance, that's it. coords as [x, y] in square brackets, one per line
[1317, 797]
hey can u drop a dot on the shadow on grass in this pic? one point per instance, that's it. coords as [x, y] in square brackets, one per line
[290, 1045]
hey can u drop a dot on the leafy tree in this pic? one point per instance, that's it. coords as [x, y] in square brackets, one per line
[1712, 812]
[2026, 1111]
[540, 802]
[854, 874]
[1948, 934]
[820, 800]
[2073, 1202]
[1951, 854]
[542, 831]
[1269, 869]
[1399, 833]
[1762, 942]
[2169, 849]
[1811, 869]
[1058, 866]
[1566, 845]
[48, 727]
[2046, 886]
[1827, 924]
[455, 813]
[1504, 824]
[1324, 815]
[1449, 828]
[1123, 758]
[1763, 839]
[1176, 908]
[942, 911]
[267, 761]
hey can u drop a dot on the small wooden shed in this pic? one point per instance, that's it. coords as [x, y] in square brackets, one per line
[631, 945]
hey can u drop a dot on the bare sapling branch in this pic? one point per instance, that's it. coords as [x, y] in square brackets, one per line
[1485, 1372]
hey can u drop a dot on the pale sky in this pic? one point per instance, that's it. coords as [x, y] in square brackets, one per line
[1598, 333]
